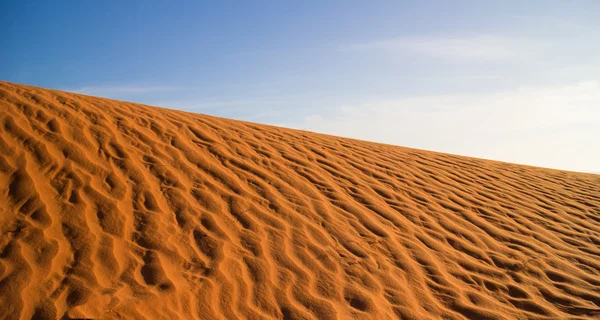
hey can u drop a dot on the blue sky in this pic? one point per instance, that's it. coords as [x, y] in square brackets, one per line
[517, 81]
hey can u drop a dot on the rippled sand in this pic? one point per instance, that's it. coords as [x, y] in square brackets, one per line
[117, 210]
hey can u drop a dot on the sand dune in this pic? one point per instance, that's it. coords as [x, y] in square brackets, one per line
[117, 210]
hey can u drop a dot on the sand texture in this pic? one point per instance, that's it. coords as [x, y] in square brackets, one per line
[115, 210]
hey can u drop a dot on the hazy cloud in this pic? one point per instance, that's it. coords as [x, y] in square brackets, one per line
[467, 48]
[125, 89]
[545, 126]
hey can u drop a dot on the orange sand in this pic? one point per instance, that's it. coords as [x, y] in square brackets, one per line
[112, 209]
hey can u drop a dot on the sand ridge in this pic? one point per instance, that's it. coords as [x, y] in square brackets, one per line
[111, 209]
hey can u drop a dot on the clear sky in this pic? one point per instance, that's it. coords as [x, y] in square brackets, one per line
[517, 81]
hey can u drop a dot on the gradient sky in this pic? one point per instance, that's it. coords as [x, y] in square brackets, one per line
[517, 81]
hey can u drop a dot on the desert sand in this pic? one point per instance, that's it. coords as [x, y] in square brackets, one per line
[116, 210]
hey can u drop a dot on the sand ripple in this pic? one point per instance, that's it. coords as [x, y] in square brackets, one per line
[117, 210]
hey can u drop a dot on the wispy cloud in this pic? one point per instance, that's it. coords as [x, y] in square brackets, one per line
[218, 103]
[471, 48]
[124, 89]
[552, 126]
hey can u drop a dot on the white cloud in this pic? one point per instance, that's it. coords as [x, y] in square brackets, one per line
[125, 89]
[556, 126]
[462, 48]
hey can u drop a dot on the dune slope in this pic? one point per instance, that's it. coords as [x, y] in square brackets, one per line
[117, 210]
